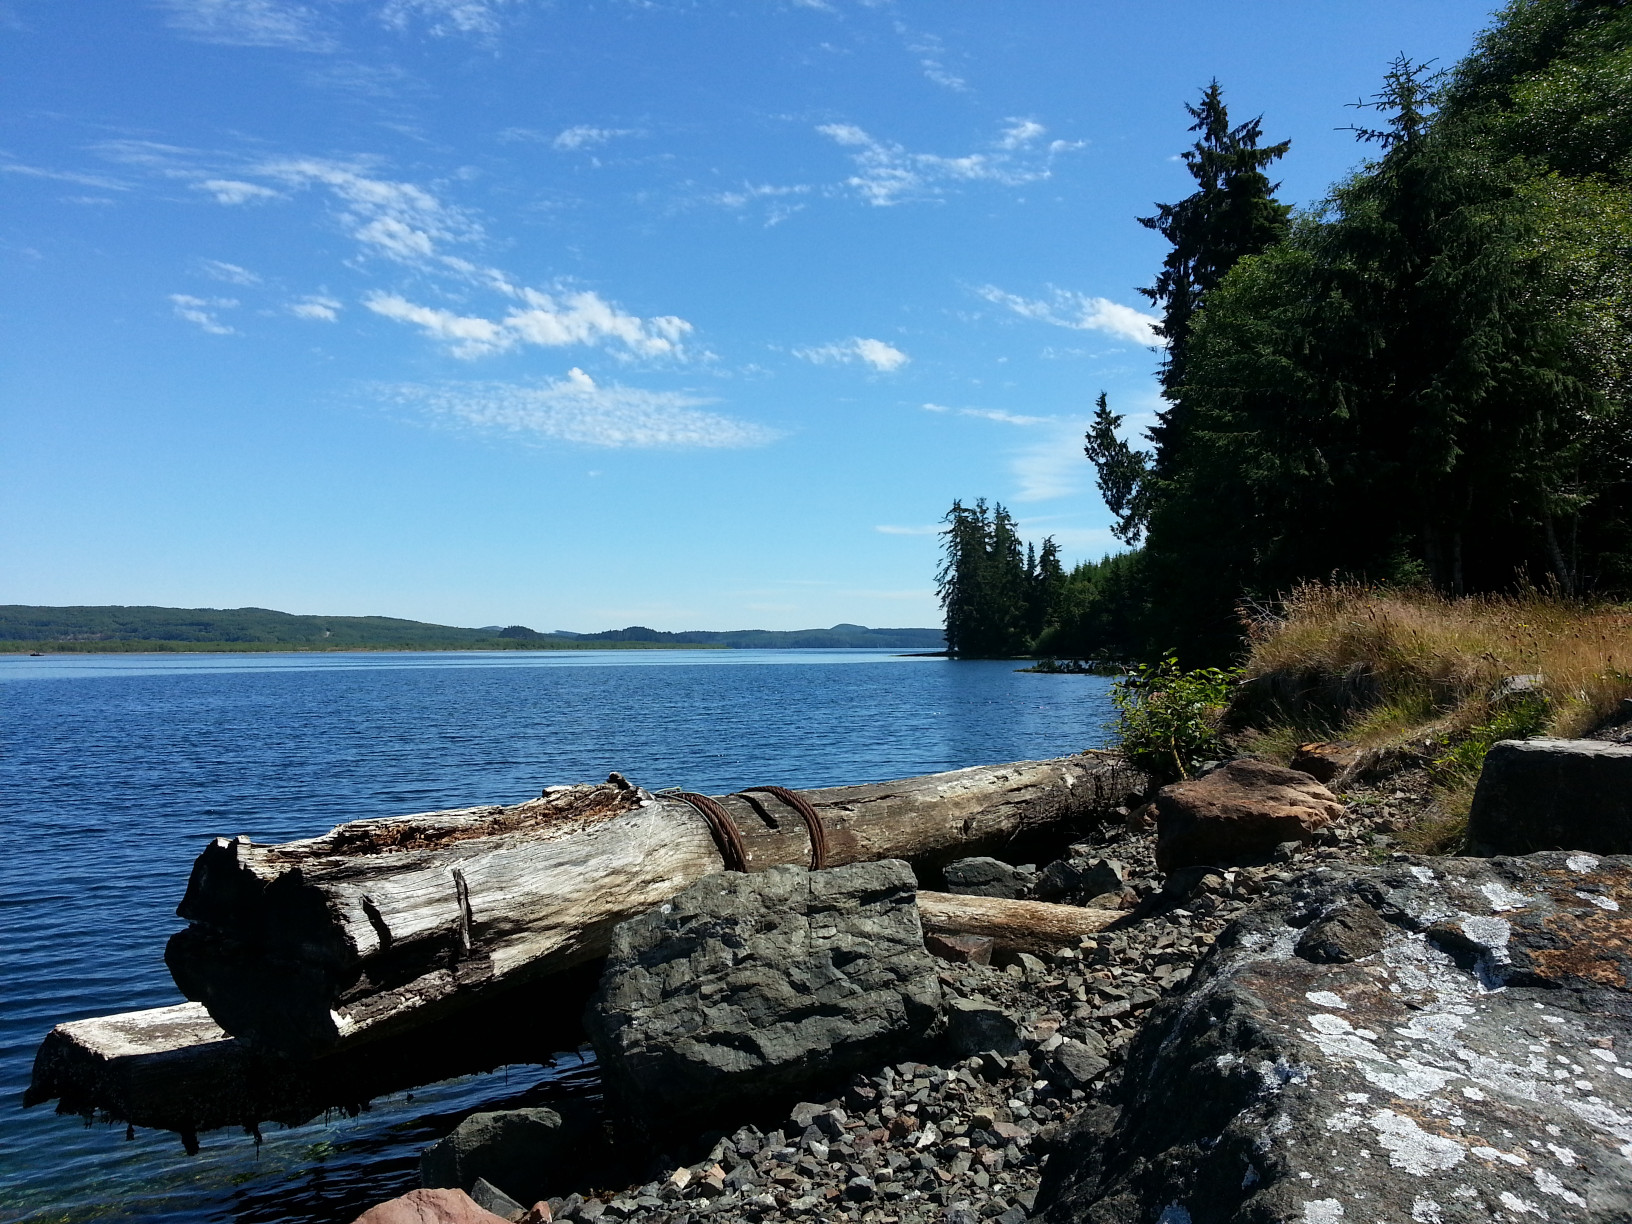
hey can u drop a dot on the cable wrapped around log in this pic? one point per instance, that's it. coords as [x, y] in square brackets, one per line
[311, 946]
[813, 822]
[726, 837]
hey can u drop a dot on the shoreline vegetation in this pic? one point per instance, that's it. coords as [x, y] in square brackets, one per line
[29, 629]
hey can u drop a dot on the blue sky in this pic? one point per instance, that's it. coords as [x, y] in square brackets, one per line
[598, 312]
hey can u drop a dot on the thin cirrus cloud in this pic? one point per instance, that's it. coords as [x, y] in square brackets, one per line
[888, 173]
[583, 136]
[887, 529]
[317, 308]
[577, 409]
[885, 358]
[202, 312]
[444, 17]
[1080, 312]
[231, 273]
[541, 319]
[250, 23]
[989, 414]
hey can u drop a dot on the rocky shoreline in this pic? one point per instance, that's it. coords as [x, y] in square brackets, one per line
[1008, 1111]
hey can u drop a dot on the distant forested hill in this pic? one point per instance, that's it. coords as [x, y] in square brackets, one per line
[122, 629]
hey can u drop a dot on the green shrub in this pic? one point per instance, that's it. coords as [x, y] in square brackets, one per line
[1516, 719]
[1168, 719]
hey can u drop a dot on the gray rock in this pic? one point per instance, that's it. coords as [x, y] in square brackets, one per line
[1078, 1064]
[987, 877]
[1080, 877]
[521, 1151]
[974, 1026]
[1351, 932]
[490, 1198]
[1468, 1069]
[1553, 795]
[748, 987]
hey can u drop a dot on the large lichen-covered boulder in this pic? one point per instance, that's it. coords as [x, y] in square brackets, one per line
[1242, 810]
[1460, 1052]
[745, 988]
[1551, 794]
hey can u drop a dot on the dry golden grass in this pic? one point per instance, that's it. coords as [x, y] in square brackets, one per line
[1387, 668]
[1409, 659]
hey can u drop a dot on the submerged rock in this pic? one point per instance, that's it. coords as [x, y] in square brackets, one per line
[1240, 811]
[1468, 1057]
[1553, 795]
[746, 987]
[520, 1151]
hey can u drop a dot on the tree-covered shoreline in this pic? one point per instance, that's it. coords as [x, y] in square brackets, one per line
[1423, 381]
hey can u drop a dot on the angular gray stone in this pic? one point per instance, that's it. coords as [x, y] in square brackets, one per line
[974, 1026]
[748, 987]
[1078, 1063]
[490, 1198]
[1554, 794]
[1468, 1069]
[1080, 877]
[987, 877]
[521, 1151]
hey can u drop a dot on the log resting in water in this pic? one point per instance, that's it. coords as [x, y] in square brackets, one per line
[173, 1068]
[380, 926]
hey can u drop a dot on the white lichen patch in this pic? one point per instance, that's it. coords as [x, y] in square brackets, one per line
[1410, 1147]
[1326, 998]
[1490, 934]
[1581, 863]
[1425, 1211]
[1603, 903]
[1322, 1211]
[1501, 897]
[1548, 1183]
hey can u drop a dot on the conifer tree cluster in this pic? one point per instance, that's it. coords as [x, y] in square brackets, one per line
[998, 593]
[1426, 379]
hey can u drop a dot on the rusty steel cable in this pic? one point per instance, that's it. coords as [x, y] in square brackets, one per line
[720, 824]
[813, 822]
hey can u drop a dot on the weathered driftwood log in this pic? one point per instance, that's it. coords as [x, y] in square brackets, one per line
[381, 925]
[173, 1068]
[1038, 927]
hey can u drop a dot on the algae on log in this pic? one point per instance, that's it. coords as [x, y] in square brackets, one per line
[382, 925]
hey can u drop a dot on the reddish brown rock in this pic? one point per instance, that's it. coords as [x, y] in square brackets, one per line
[429, 1207]
[1240, 811]
[1325, 760]
[961, 949]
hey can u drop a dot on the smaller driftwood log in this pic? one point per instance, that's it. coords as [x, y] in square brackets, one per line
[1037, 927]
[381, 926]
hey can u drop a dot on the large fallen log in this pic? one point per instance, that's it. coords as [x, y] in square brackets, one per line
[1038, 927]
[173, 1068]
[380, 926]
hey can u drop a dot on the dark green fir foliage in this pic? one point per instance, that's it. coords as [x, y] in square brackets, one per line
[998, 594]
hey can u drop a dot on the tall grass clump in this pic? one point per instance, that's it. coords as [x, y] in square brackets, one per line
[1448, 676]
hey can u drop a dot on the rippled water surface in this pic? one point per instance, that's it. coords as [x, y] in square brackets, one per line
[115, 770]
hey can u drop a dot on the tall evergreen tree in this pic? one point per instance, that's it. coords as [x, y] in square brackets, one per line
[1232, 213]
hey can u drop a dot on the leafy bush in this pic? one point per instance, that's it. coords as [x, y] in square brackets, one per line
[1517, 719]
[1168, 719]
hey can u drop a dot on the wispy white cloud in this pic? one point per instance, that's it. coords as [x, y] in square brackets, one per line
[443, 17]
[779, 207]
[543, 319]
[583, 136]
[231, 273]
[1053, 466]
[61, 176]
[235, 191]
[250, 23]
[932, 57]
[202, 311]
[883, 357]
[316, 307]
[1080, 312]
[887, 529]
[990, 414]
[578, 409]
[396, 219]
[889, 173]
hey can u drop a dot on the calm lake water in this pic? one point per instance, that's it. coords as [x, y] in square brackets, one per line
[115, 771]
